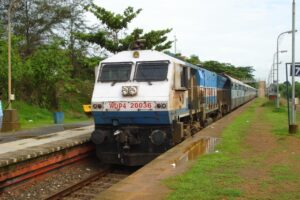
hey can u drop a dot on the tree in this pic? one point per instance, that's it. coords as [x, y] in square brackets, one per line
[112, 35]
[35, 21]
[77, 49]
[48, 70]
[227, 68]
[45, 52]
[194, 59]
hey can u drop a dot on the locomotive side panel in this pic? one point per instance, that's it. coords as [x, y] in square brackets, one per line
[179, 91]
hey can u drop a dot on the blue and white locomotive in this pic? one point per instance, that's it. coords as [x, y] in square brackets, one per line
[144, 102]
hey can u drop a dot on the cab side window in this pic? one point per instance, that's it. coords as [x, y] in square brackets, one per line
[184, 77]
[181, 77]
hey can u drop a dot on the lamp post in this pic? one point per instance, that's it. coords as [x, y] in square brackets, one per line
[11, 4]
[10, 118]
[9, 53]
[270, 80]
[277, 65]
[293, 127]
[277, 74]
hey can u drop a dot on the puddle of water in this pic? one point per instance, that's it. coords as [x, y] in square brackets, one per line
[200, 147]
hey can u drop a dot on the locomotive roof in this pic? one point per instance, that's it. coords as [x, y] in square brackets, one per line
[146, 55]
[153, 55]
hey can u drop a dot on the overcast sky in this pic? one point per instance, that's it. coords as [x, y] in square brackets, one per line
[240, 32]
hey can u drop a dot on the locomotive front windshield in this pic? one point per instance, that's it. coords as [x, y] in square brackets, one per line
[111, 72]
[151, 71]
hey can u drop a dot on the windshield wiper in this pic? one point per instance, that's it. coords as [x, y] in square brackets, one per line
[148, 81]
[114, 82]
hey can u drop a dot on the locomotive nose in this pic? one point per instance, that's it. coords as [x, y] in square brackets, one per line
[99, 136]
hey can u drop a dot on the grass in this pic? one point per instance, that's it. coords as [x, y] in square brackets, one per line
[283, 173]
[219, 175]
[214, 175]
[278, 118]
[33, 116]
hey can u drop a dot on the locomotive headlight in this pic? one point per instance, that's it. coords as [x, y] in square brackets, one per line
[129, 90]
[133, 90]
[125, 90]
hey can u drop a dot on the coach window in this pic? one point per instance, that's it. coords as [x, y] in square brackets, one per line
[184, 77]
[115, 72]
[151, 71]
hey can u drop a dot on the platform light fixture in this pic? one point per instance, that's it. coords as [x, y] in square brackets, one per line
[277, 63]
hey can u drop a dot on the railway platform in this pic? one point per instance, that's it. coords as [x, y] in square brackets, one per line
[25, 158]
[147, 182]
[35, 132]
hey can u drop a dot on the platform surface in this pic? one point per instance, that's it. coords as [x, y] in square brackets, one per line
[20, 150]
[35, 132]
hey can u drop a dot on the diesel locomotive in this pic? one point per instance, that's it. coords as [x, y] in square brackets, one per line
[144, 102]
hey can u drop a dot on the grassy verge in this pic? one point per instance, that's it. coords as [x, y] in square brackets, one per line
[32, 116]
[278, 118]
[214, 175]
[240, 171]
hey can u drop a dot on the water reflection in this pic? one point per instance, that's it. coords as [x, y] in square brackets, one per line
[200, 147]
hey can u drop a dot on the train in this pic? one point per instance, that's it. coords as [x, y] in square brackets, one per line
[145, 102]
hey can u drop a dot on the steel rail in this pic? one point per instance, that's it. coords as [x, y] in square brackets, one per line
[69, 190]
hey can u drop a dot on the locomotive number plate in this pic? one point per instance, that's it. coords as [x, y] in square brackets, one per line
[124, 106]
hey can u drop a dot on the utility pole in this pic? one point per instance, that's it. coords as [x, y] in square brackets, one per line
[175, 41]
[277, 66]
[293, 127]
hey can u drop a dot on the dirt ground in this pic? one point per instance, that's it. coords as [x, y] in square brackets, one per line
[274, 163]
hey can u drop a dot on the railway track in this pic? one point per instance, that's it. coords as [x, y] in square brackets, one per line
[65, 169]
[91, 186]
[83, 179]
[23, 171]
